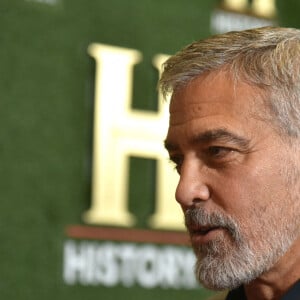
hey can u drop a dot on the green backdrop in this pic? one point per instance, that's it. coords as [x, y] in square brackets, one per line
[46, 107]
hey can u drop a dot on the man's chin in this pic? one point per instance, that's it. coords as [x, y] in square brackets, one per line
[220, 268]
[217, 283]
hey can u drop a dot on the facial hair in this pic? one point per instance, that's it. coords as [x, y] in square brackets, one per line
[232, 259]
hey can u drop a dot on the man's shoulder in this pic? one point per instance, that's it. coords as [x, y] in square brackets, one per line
[219, 296]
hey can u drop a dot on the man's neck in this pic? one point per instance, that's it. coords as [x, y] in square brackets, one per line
[273, 284]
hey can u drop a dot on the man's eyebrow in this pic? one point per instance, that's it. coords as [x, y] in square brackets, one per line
[214, 135]
[220, 135]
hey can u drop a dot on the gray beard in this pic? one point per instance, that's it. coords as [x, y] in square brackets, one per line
[226, 263]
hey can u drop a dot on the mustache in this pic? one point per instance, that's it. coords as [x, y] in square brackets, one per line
[199, 217]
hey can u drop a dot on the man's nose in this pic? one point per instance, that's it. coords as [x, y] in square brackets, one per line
[193, 186]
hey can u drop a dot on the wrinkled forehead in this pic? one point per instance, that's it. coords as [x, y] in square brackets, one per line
[182, 111]
[213, 94]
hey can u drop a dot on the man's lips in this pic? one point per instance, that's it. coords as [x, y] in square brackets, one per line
[204, 234]
[206, 226]
[202, 229]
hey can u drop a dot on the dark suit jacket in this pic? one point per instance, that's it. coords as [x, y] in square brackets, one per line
[238, 294]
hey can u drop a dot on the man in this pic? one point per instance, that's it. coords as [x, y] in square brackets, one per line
[234, 136]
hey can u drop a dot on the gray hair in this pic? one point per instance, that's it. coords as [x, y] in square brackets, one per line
[267, 57]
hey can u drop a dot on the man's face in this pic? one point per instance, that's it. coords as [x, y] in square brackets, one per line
[237, 175]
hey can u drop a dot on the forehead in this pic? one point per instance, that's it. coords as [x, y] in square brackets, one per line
[215, 94]
[213, 101]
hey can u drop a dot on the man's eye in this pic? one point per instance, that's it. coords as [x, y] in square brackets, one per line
[218, 152]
